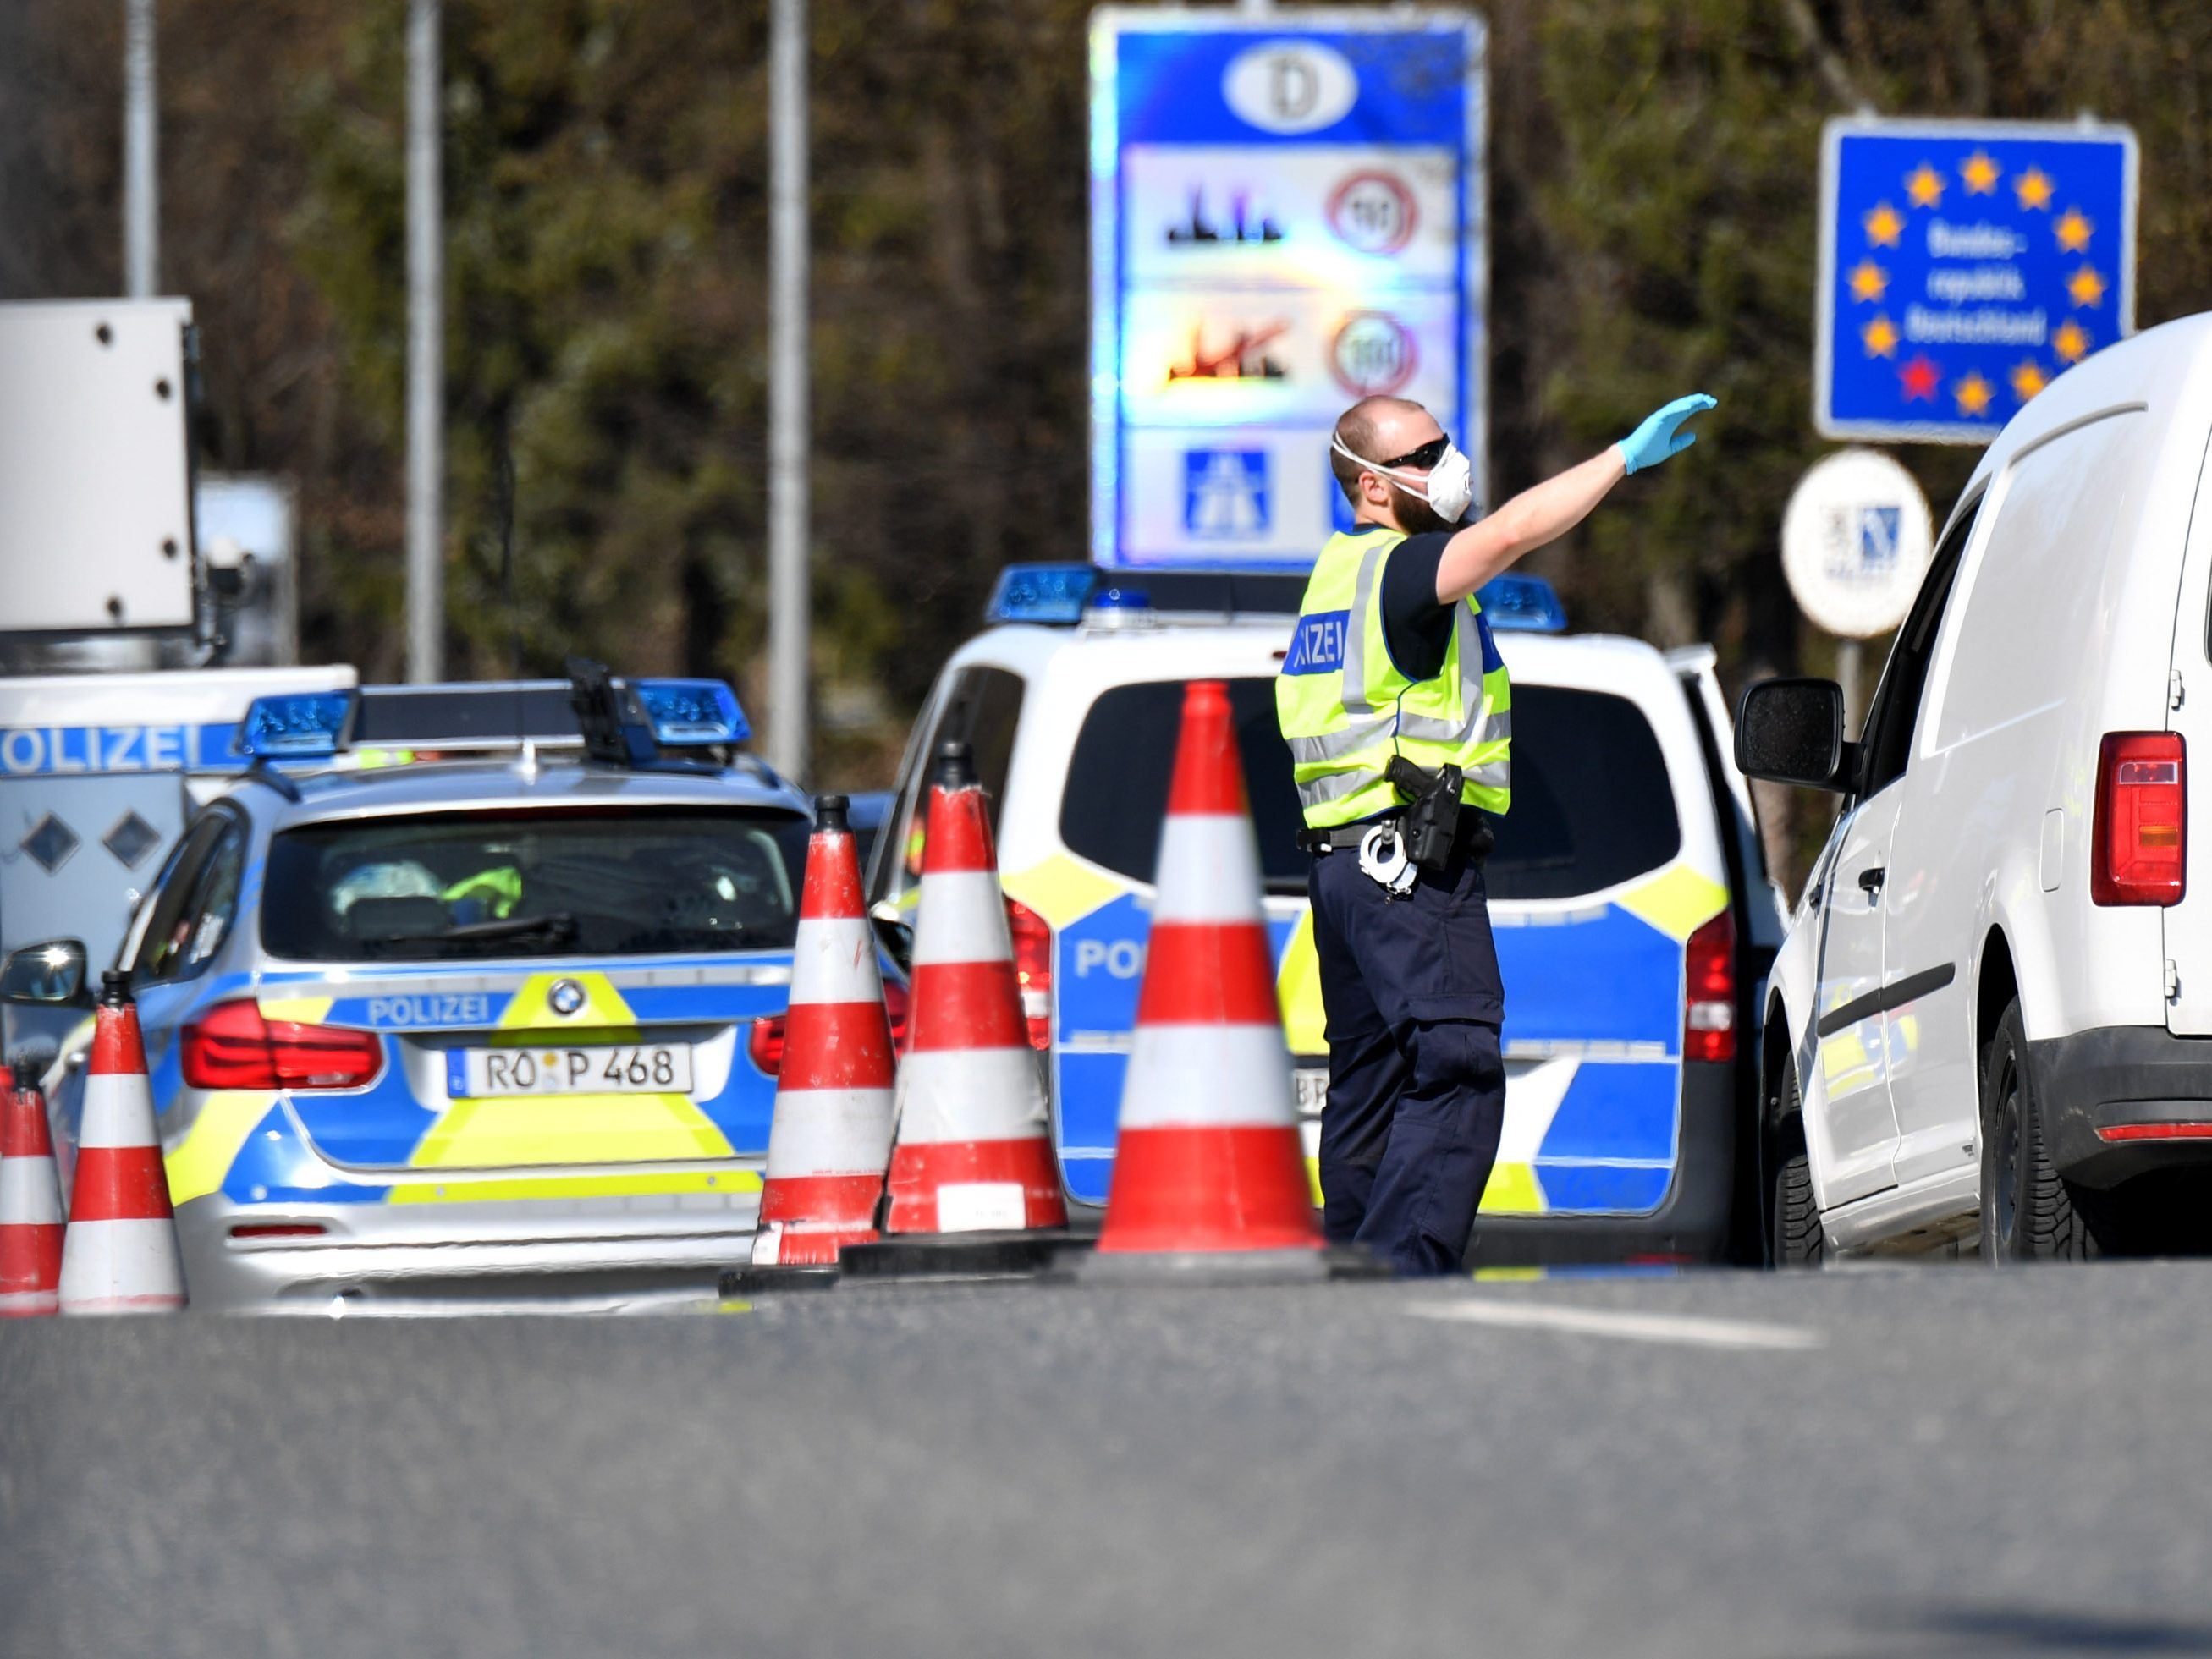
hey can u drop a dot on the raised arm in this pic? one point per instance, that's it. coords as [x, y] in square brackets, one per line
[1545, 512]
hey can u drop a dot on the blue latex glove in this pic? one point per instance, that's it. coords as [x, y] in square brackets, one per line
[1659, 435]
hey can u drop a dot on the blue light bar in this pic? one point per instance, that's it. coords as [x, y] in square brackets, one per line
[687, 712]
[297, 726]
[1040, 593]
[1526, 603]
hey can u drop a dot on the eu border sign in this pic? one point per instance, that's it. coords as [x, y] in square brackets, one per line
[1286, 214]
[1964, 264]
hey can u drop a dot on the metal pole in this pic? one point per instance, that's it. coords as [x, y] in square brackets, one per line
[788, 606]
[426, 339]
[1848, 656]
[141, 188]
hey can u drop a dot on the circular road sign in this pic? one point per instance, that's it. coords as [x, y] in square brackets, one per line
[1373, 354]
[1855, 542]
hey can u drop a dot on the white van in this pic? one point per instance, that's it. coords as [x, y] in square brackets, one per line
[1992, 1016]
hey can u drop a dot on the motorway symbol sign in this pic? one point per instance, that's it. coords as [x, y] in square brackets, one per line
[1287, 216]
[1856, 541]
[1964, 265]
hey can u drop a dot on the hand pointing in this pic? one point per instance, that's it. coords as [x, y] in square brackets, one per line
[1660, 435]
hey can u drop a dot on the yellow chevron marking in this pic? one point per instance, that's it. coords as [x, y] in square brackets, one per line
[541, 1129]
[603, 1011]
[1061, 890]
[1513, 1190]
[305, 1010]
[1677, 901]
[202, 1158]
[643, 1185]
[1297, 991]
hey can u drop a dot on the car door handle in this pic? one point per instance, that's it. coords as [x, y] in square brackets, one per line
[1870, 883]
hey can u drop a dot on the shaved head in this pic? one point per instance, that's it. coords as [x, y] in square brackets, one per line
[1362, 429]
[1378, 430]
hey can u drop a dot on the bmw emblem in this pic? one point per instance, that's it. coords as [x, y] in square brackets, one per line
[566, 996]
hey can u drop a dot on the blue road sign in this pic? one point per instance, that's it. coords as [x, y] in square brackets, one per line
[1964, 265]
[1287, 216]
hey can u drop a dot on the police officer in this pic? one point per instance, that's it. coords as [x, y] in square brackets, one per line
[1398, 713]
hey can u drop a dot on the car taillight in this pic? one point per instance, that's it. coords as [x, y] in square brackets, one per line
[1033, 968]
[765, 1042]
[231, 1047]
[1709, 992]
[2140, 844]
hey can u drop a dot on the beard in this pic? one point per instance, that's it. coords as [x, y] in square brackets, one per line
[1415, 514]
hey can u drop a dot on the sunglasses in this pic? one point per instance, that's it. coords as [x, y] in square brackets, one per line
[1426, 456]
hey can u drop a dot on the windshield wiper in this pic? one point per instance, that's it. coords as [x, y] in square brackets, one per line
[558, 928]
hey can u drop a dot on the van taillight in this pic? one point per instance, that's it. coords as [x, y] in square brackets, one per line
[765, 1042]
[1709, 992]
[1033, 968]
[231, 1047]
[2140, 844]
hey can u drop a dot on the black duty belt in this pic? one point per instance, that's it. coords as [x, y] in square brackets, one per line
[1474, 833]
[1349, 834]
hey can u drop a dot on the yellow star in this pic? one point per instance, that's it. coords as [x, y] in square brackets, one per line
[1867, 280]
[2086, 287]
[1883, 227]
[2073, 230]
[2027, 380]
[2071, 342]
[1980, 174]
[1879, 336]
[1925, 186]
[1973, 393]
[2033, 188]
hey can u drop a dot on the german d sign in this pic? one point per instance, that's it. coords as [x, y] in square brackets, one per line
[1287, 216]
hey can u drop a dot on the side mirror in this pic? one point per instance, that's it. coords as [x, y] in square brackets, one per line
[51, 974]
[894, 933]
[1792, 731]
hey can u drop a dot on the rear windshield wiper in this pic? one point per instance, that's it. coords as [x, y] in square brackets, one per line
[558, 928]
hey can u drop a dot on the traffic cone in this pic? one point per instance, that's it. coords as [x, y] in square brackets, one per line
[832, 1130]
[1208, 1160]
[30, 1209]
[120, 1253]
[972, 1151]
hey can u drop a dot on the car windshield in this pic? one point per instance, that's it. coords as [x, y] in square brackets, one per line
[1592, 802]
[569, 884]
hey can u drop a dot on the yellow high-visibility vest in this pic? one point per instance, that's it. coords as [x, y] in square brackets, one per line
[1345, 709]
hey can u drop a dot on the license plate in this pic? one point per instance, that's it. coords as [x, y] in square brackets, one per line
[651, 1068]
[1312, 1082]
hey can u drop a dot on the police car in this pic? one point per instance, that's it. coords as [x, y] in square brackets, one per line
[1633, 916]
[479, 1021]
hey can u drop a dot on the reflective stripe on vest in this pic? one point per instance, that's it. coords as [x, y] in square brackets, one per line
[1345, 709]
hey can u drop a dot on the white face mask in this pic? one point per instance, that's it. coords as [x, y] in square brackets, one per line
[1449, 489]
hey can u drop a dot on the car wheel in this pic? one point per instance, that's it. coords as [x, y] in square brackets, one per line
[2028, 1214]
[1797, 1239]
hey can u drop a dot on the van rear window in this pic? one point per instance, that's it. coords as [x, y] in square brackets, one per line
[1592, 802]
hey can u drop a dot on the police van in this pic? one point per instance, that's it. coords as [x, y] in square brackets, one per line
[1633, 917]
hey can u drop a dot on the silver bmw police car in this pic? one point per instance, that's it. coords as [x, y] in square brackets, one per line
[467, 993]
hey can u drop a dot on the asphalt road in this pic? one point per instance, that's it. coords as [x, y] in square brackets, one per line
[1878, 1461]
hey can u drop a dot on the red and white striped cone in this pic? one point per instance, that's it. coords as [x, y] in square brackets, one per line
[973, 1152]
[119, 1254]
[30, 1209]
[832, 1130]
[1208, 1160]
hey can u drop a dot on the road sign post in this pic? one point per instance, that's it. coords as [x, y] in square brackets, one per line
[1965, 264]
[1287, 216]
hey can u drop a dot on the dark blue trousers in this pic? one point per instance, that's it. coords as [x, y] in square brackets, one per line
[1416, 1082]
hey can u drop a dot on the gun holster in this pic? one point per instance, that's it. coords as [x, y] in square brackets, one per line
[1431, 823]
